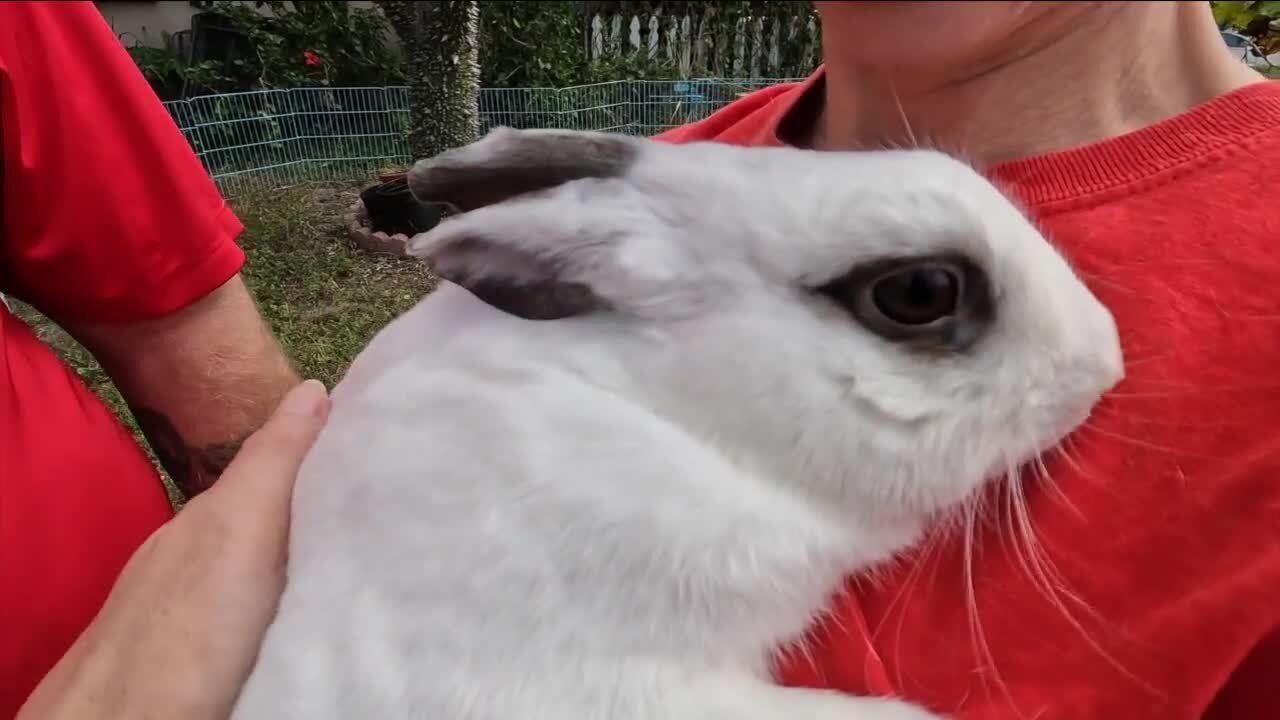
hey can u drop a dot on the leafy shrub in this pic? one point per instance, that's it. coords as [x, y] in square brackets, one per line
[309, 44]
[1259, 21]
[289, 44]
[544, 44]
[171, 77]
[331, 43]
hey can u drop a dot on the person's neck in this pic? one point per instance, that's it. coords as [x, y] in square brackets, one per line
[1104, 71]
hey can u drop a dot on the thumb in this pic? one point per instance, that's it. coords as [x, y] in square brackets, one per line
[263, 472]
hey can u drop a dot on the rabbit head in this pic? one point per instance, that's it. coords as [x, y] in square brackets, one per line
[884, 329]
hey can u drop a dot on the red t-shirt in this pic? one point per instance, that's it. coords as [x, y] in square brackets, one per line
[106, 215]
[1165, 535]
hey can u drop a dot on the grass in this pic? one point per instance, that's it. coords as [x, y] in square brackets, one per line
[323, 298]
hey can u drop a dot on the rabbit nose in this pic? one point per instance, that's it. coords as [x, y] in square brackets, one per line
[1113, 361]
[1103, 346]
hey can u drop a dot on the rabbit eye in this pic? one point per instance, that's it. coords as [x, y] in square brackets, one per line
[917, 295]
[935, 303]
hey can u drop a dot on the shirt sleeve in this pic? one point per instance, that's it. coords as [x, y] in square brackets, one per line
[106, 213]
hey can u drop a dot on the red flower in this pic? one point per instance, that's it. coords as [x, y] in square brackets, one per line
[311, 58]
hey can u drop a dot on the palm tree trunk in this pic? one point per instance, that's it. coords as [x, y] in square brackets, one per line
[440, 46]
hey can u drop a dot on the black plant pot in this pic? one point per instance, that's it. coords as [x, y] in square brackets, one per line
[394, 210]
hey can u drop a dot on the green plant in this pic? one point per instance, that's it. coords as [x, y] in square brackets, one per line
[541, 44]
[531, 44]
[170, 77]
[544, 44]
[630, 67]
[292, 44]
[1258, 20]
[310, 44]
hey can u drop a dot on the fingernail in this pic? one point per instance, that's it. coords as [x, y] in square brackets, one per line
[308, 398]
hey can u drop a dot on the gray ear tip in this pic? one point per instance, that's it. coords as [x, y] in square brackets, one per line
[508, 162]
[421, 179]
[500, 135]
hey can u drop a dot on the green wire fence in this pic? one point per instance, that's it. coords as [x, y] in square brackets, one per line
[275, 138]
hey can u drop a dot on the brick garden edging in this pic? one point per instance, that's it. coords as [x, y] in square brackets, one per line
[357, 221]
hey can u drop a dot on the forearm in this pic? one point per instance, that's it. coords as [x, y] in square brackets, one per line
[196, 421]
[198, 382]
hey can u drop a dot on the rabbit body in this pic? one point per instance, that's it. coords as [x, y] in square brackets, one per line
[623, 513]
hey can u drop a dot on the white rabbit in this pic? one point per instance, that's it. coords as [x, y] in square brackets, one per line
[685, 391]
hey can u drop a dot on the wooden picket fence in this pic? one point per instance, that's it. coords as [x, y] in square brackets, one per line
[748, 47]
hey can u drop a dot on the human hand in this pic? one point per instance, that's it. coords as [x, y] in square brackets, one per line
[178, 635]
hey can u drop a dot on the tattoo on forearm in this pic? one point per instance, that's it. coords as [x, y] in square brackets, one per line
[193, 469]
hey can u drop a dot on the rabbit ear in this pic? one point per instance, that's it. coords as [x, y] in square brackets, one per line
[538, 257]
[509, 278]
[506, 163]
[561, 255]
[524, 258]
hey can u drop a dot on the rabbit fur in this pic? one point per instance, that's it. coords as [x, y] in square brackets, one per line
[635, 441]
